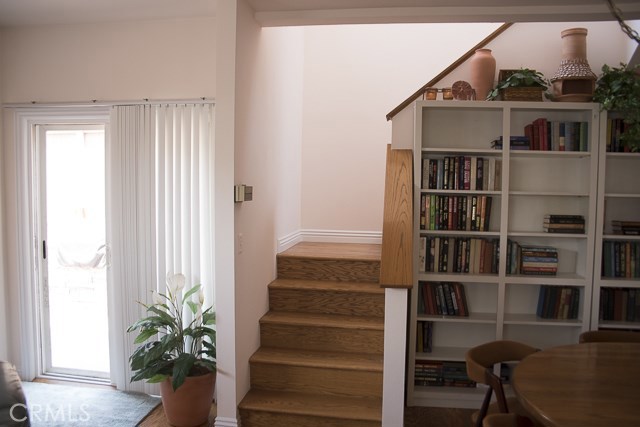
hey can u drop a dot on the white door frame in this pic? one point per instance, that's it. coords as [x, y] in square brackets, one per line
[27, 231]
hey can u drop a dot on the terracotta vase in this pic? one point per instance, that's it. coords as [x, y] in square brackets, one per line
[483, 72]
[189, 405]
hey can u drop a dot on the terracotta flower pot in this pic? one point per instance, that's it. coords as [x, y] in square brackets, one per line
[189, 405]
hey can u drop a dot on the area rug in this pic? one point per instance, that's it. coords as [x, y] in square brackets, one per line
[52, 405]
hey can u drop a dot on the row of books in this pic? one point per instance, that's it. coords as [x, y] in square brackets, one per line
[424, 336]
[552, 135]
[440, 254]
[620, 304]
[616, 127]
[444, 212]
[531, 259]
[462, 173]
[558, 302]
[442, 373]
[626, 227]
[442, 298]
[554, 223]
[621, 258]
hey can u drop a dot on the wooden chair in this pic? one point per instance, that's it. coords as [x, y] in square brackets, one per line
[609, 336]
[480, 361]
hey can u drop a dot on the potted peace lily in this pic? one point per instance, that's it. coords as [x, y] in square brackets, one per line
[178, 353]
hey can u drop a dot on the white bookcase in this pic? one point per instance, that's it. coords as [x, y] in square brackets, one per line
[532, 184]
[618, 199]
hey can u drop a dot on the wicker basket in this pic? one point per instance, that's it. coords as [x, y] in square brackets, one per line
[522, 94]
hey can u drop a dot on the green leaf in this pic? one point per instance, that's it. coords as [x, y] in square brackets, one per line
[190, 292]
[193, 306]
[182, 368]
[157, 378]
[145, 334]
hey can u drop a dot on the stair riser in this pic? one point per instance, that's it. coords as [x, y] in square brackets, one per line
[322, 338]
[316, 380]
[343, 303]
[269, 419]
[336, 270]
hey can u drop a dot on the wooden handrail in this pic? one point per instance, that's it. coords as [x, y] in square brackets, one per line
[396, 267]
[447, 70]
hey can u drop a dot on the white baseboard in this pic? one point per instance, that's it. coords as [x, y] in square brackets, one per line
[329, 236]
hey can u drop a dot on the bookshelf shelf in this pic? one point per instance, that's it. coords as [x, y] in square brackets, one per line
[532, 319]
[526, 186]
[472, 318]
[550, 154]
[547, 194]
[516, 234]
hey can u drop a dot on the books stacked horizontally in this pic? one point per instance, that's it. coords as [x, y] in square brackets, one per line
[442, 373]
[558, 302]
[626, 227]
[516, 142]
[573, 224]
[442, 298]
[535, 260]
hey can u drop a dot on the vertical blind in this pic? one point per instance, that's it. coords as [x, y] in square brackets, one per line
[161, 160]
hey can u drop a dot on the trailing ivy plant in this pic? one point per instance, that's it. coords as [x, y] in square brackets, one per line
[524, 77]
[618, 90]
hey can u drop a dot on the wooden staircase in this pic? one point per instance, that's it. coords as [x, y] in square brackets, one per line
[320, 360]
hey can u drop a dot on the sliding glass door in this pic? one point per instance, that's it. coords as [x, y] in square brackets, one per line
[73, 253]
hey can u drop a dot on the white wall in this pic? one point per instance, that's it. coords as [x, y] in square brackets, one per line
[116, 61]
[355, 75]
[267, 157]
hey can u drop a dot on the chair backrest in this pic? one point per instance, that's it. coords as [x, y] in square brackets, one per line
[609, 336]
[480, 361]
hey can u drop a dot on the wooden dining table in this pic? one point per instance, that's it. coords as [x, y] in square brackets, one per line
[582, 385]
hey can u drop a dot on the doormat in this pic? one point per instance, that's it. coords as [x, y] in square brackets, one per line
[52, 405]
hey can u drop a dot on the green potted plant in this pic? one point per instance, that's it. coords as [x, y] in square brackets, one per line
[179, 354]
[519, 85]
[618, 90]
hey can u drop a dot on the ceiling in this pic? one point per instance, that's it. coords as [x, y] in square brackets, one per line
[309, 12]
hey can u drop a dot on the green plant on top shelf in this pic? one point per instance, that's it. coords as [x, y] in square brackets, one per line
[523, 77]
[618, 90]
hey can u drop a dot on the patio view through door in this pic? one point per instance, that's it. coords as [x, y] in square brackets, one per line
[73, 275]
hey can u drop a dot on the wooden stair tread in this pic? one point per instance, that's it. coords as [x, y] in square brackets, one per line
[325, 285]
[323, 320]
[319, 359]
[335, 251]
[342, 407]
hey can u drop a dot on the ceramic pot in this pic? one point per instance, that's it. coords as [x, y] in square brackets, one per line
[189, 405]
[483, 72]
[574, 80]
